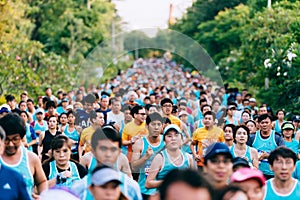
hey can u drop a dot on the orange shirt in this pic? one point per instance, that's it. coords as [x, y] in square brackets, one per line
[204, 138]
[130, 130]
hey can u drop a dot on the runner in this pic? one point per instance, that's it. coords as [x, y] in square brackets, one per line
[60, 170]
[135, 129]
[172, 157]
[265, 140]
[288, 130]
[240, 149]
[12, 184]
[106, 144]
[218, 165]
[283, 186]
[251, 181]
[204, 137]
[277, 124]
[228, 134]
[97, 121]
[17, 157]
[145, 149]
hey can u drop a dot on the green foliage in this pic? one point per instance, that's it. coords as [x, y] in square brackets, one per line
[43, 41]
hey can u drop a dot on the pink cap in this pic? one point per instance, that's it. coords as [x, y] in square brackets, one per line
[247, 174]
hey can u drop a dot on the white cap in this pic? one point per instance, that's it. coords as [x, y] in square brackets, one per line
[174, 127]
[105, 175]
[39, 110]
[252, 100]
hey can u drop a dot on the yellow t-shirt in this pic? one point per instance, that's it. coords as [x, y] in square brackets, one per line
[86, 137]
[204, 138]
[130, 130]
[174, 120]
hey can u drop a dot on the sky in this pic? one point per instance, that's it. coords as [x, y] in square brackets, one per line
[139, 14]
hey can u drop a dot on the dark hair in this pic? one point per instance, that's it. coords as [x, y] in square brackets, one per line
[59, 141]
[62, 115]
[50, 104]
[107, 132]
[202, 100]
[245, 111]
[12, 123]
[154, 117]
[126, 107]
[232, 126]
[243, 127]
[70, 112]
[243, 101]
[202, 108]
[9, 97]
[22, 102]
[23, 111]
[135, 110]
[249, 121]
[210, 113]
[167, 120]
[282, 151]
[229, 191]
[93, 114]
[263, 117]
[30, 100]
[188, 176]
[90, 98]
[280, 110]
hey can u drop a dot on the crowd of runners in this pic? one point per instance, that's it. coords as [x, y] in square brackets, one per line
[155, 131]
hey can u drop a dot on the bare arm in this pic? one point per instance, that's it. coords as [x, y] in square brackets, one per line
[192, 146]
[254, 154]
[124, 165]
[137, 160]
[155, 167]
[40, 147]
[85, 160]
[40, 179]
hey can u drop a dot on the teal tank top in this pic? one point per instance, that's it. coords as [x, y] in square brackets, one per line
[271, 194]
[93, 164]
[277, 128]
[200, 124]
[75, 174]
[144, 170]
[294, 144]
[235, 122]
[246, 156]
[266, 145]
[74, 135]
[23, 168]
[28, 136]
[169, 166]
[199, 115]
[38, 127]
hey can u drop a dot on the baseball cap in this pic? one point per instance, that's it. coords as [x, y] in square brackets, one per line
[64, 100]
[296, 118]
[172, 127]
[4, 109]
[57, 193]
[183, 113]
[70, 107]
[216, 149]
[238, 161]
[39, 110]
[245, 174]
[287, 125]
[103, 175]
[252, 100]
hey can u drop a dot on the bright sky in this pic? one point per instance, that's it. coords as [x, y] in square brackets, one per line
[149, 13]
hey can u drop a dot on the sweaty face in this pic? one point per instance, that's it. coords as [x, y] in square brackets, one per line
[245, 117]
[155, 128]
[228, 134]
[208, 120]
[265, 125]
[52, 123]
[251, 127]
[241, 136]
[62, 155]
[167, 108]
[107, 152]
[12, 143]
[173, 139]
[283, 168]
